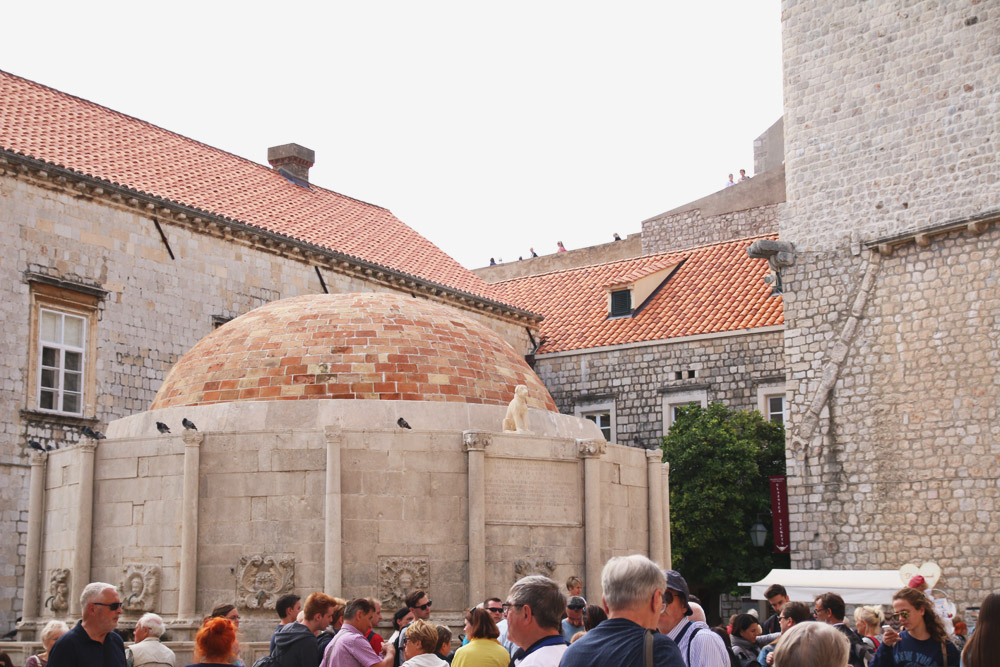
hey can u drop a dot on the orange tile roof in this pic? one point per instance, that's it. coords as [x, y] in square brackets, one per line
[69, 132]
[717, 288]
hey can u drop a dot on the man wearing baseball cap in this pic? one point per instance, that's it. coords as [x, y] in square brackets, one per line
[699, 646]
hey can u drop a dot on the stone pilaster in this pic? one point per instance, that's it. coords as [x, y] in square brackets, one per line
[667, 556]
[86, 452]
[591, 452]
[33, 551]
[475, 443]
[333, 571]
[654, 483]
[188, 593]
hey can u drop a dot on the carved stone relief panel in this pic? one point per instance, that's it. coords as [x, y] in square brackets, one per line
[58, 600]
[525, 566]
[263, 578]
[398, 576]
[140, 589]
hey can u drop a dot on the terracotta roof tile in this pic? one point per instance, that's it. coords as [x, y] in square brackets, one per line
[69, 132]
[717, 288]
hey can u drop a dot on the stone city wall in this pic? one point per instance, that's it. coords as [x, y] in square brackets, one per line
[639, 378]
[560, 261]
[154, 309]
[891, 116]
[746, 209]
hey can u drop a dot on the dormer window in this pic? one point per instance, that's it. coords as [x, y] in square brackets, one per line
[621, 303]
[629, 291]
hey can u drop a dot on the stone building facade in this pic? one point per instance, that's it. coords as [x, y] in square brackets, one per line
[892, 307]
[129, 279]
[638, 385]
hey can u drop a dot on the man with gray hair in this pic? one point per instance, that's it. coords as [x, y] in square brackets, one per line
[92, 643]
[634, 589]
[147, 649]
[534, 607]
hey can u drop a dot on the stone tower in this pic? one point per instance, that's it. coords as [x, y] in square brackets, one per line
[892, 117]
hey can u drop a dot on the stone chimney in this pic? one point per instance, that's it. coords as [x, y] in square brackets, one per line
[293, 158]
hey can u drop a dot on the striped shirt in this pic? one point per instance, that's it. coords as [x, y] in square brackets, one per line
[706, 649]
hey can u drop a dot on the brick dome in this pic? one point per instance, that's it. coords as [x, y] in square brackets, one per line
[351, 346]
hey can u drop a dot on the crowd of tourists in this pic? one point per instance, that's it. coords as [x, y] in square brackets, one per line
[647, 618]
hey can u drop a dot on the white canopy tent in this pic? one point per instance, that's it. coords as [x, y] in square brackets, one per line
[855, 586]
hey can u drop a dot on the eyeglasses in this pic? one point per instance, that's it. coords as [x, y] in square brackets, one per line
[495, 610]
[900, 614]
[508, 605]
[423, 606]
[113, 606]
[576, 607]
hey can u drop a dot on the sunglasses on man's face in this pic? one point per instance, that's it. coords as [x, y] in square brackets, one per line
[113, 606]
[495, 610]
[423, 606]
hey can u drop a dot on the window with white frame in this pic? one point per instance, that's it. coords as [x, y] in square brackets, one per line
[674, 401]
[602, 414]
[61, 350]
[771, 402]
[62, 369]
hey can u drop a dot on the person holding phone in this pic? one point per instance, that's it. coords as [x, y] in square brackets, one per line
[921, 640]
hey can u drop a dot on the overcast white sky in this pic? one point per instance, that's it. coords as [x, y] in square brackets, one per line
[487, 127]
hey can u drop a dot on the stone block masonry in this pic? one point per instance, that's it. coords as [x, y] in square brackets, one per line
[892, 113]
[903, 465]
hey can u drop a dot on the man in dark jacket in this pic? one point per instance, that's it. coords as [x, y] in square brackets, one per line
[829, 608]
[93, 642]
[295, 644]
[634, 589]
[777, 597]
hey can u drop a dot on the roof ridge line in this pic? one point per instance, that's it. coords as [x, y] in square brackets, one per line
[215, 149]
[631, 259]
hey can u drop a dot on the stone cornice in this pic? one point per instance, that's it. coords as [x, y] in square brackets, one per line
[80, 185]
[922, 236]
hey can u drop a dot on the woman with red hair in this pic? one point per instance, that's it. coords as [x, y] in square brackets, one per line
[216, 643]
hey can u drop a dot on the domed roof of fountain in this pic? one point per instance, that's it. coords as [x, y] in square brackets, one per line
[351, 346]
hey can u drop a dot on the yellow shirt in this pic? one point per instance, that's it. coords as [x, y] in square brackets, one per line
[481, 653]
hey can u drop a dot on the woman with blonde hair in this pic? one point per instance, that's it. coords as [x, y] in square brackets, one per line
[216, 644]
[812, 645]
[421, 646]
[922, 640]
[868, 622]
[52, 631]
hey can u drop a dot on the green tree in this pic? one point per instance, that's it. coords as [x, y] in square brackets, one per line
[720, 461]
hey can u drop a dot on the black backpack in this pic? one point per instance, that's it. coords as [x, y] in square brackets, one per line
[859, 649]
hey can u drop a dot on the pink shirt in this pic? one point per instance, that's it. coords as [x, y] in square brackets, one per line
[349, 648]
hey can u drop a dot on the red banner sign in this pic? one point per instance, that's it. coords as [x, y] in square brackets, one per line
[779, 512]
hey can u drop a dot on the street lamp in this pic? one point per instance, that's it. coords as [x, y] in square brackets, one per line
[758, 533]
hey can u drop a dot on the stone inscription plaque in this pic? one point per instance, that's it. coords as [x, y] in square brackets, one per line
[534, 493]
